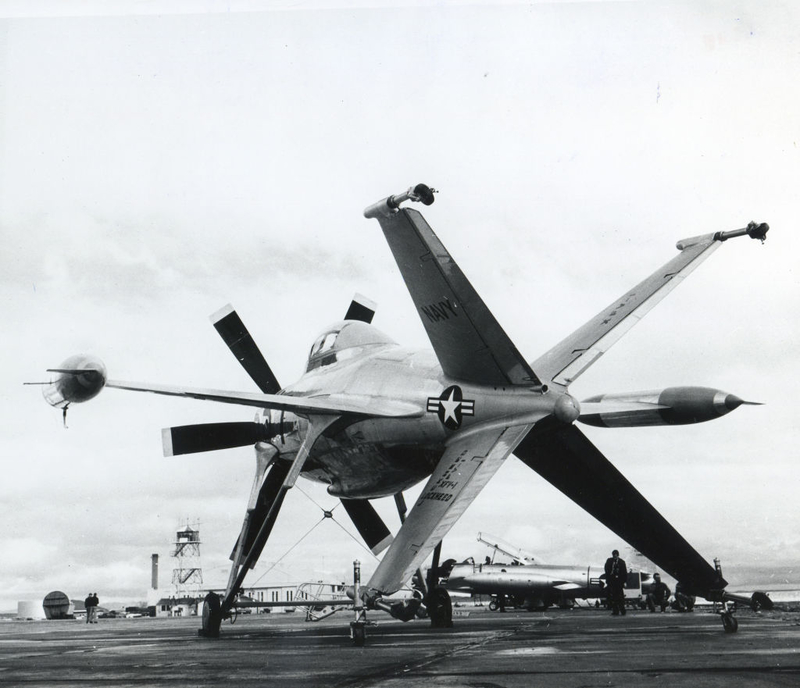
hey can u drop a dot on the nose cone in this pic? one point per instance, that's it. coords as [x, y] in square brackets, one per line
[725, 403]
[732, 402]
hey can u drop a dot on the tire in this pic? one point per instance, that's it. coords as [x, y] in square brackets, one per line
[212, 616]
[441, 609]
[729, 623]
[359, 634]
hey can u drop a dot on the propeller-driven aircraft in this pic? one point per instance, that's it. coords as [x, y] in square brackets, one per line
[370, 418]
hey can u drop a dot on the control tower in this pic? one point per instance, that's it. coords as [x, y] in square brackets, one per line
[187, 576]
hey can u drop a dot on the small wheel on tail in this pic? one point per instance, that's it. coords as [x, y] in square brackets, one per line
[729, 622]
[212, 616]
[358, 632]
[440, 609]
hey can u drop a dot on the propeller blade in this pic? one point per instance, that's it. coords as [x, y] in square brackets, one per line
[369, 525]
[361, 308]
[233, 332]
[190, 439]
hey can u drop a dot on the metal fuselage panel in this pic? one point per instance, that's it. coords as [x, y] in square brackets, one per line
[377, 457]
[370, 457]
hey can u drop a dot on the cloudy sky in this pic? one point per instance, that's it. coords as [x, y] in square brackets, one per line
[158, 164]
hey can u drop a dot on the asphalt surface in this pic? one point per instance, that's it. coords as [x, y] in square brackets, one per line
[483, 650]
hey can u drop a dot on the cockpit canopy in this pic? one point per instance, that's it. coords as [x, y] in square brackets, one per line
[343, 340]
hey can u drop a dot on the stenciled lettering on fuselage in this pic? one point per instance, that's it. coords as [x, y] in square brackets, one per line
[441, 310]
[451, 407]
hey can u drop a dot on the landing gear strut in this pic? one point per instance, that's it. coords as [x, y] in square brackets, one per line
[358, 627]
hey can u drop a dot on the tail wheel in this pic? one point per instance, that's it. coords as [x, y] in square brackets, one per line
[212, 616]
[358, 633]
[440, 609]
[729, 623]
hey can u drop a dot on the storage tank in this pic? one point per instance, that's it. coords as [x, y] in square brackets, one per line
[58, 606]
[29, 610]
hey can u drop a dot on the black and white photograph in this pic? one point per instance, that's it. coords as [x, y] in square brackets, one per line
[325, 360]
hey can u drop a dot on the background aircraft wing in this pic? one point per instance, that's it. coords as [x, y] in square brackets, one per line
[322, 404]
[468, 463]
[468, 341]
[565, 457]
[572, 356]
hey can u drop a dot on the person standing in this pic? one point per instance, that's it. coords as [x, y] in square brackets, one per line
[87, 603]
[95, 603]
[616, 576]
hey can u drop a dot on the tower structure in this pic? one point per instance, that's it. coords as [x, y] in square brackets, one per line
[187, 575]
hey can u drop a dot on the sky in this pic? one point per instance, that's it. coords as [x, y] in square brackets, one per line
[159, 161]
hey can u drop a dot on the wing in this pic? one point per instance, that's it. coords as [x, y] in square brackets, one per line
[468, 463]
[468, 341]
[322, 404]
[565, 457]
[571, 357]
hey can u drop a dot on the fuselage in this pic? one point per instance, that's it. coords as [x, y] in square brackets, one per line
[509, 579]
[377, 457]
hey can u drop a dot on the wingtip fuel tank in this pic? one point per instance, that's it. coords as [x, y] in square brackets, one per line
[670, 406]
[80, 378]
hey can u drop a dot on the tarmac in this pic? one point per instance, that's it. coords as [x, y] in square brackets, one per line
[561, 648]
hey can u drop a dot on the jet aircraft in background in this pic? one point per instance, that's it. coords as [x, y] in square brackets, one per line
[531, 584]
[534, 585]
[370, 418]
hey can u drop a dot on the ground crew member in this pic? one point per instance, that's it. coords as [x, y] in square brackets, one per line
[658, 595]
[616, 576]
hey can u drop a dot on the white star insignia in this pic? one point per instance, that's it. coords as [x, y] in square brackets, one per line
[450, 407]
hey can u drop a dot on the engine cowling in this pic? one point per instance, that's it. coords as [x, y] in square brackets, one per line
[80, 378]
[670, 406]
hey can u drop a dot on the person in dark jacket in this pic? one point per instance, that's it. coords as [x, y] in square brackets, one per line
[88, 604]
[658, 595]
[616, 575]
[91, 608]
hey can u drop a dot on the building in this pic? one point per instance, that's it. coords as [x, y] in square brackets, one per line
[282, 594]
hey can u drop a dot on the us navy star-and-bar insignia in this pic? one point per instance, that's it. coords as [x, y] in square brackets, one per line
[451, 407]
